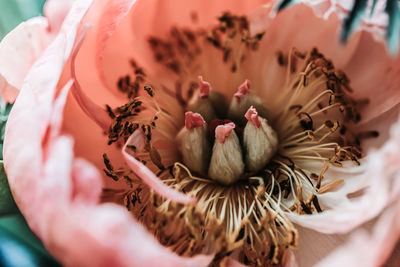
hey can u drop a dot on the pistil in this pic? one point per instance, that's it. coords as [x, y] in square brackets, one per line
[226, 166]
[201, 101]
[193, 143]
[242, 100]
[260, 141]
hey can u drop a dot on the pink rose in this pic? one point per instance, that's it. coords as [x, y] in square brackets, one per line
[243, 140]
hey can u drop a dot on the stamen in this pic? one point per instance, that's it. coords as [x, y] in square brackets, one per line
[226, 166]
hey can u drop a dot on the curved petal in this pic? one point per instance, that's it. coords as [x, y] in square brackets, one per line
[32, 110]
[113, 13]
[23, 46]
[137, 140]
[56, 11]
[95, 112]
[20, 48]
[369, 249]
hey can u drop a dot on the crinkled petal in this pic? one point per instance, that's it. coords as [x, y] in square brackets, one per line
[23, 46]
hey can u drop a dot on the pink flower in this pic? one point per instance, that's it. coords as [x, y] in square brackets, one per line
[65, 67]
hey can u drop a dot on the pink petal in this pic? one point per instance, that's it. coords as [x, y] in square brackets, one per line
[96, 113]
[56, 11]
[315, 246]
[20, 48]
[369, 249]
[8, 92]
[155, 17]
[137, 139]
[112, 13]
[58, 194]
[24, 44]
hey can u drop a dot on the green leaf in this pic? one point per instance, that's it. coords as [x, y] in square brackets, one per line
[4, 112]
[374, 2]
[352, 21]
[284, 4]
[393, 32]
[20, 247]
[7, 204]
[12, 12]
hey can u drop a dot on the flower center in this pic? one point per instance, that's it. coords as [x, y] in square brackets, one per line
[241, 142]
[247, 162]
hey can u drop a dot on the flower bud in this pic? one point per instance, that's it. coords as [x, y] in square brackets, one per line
[260, 141]
[226, 166]
[201, 101]
[193, 143]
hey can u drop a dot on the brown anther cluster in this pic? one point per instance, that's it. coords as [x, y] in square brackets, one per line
[123, 125]
[231, 32]
[130, 86]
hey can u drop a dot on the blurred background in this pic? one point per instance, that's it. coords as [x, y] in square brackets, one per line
[19, 247]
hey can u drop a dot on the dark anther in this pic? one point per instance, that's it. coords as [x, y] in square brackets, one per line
[149, 90]
[343, 130]
[316, 204]
[110, 112]
[281, 58]
[296, 107]
[305, 208]
[107, 162]
[240, 235]
[306, 124]
[111, 174]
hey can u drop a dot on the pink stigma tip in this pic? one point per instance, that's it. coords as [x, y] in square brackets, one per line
[193, 120]
[252, 116]
[223, 131]
[243, 89]
[205, 87]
